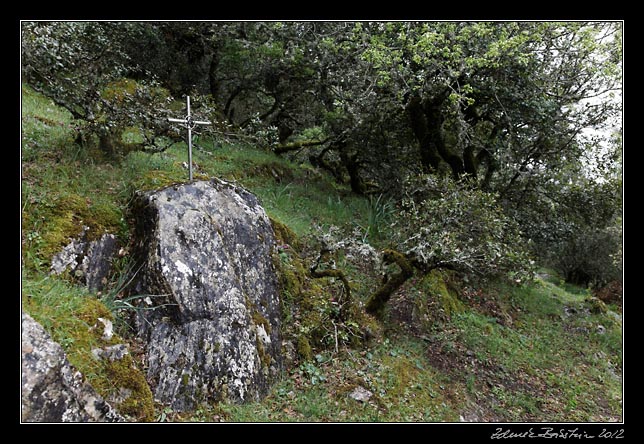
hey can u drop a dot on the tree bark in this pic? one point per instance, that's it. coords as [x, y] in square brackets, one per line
[108, 144]
[353, 168]
[377, 301]
[228, 112]
[434, 120]
[473, 163]
[485, 156]
[320, 161]
[213, 81]
[429, 157]
[469, 161]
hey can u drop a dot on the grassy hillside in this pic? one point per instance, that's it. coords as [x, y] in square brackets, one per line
[446, 350]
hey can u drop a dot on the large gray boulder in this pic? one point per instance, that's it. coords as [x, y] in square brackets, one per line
[52, 391]
[212, 318]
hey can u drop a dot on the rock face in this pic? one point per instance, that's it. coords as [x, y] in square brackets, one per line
[52, 391]
[89, 261]
[213, 330]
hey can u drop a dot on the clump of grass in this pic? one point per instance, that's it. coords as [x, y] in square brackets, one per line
[379, 217]
[47, 130]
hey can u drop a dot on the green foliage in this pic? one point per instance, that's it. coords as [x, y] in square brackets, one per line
[575, 227]
[586, 258]
[82, 66]
[445, 224]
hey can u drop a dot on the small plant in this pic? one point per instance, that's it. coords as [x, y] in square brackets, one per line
[313, 373]
[115, 301]
[379, 217]
[470, 382]
[164, 415]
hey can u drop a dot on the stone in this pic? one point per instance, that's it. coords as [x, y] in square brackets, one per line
[615, 317]
[289, 354]
[596, 305]
[570, 311]
[108, 329]
[111, 353]
[473, 413]
[213, 327]
[52, 391]
[71, 255]
[90, 262]
[360, 394]
[97, 262]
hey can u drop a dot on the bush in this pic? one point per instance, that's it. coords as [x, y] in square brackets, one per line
[589, 257]
[448, 224]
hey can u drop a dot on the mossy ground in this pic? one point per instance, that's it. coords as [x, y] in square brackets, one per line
[444, 351]
[70, 315]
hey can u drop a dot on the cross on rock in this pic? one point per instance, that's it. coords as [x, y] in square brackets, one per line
[189, 123]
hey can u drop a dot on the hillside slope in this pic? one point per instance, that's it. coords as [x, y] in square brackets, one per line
[447, 350]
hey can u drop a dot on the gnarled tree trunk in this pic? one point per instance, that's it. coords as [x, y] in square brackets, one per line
[377, 301]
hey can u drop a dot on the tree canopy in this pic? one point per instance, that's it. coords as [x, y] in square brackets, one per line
[517, 115]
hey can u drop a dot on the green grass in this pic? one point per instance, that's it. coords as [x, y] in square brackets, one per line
[47, 129]
[404, 388]
[547, 358]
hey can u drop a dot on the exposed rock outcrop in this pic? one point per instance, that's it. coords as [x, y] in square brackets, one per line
[88, 261]
[52, 391]
[213, 318]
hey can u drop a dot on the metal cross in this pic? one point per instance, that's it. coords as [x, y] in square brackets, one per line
[189, 123]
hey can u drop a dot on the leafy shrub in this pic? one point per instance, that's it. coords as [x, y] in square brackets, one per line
[576, 229]
[589, 257]
[447, 224]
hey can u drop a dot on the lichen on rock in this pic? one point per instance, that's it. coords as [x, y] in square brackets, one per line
[213, 332]
[88, 261]
[53, 391]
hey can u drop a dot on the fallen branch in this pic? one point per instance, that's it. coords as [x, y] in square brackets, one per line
[334, 273]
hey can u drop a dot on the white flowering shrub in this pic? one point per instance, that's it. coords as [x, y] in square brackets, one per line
[445, 224]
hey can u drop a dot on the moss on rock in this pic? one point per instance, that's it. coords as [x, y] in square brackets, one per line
[258, 319]
[285, 235]
[62, 222]
[63, 219]
[70, 315]
[312, 308]
[596, 305]
[119, 381]
[125, 386]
